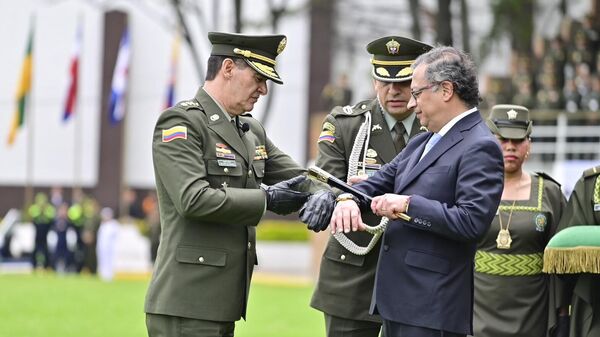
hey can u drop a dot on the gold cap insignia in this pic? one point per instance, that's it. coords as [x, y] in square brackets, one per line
[381, 71]
[405, 72]
[393, 47]
[281, 46]
[512, 114]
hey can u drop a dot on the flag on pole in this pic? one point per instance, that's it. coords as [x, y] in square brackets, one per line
[24, 89]
[119, 81]
[74, 75]
[170, 98]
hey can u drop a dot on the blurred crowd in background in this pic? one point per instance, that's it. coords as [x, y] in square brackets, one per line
[80, 236]
[562, 73]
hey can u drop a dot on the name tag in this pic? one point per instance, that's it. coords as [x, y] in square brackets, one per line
[226, 163]
[596, 207]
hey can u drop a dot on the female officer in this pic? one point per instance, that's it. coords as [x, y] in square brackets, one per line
[511, 292]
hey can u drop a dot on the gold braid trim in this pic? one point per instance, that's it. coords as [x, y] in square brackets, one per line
[529, 208]
[392, 63]
[249, 54]
[597, 191]
[572, 260]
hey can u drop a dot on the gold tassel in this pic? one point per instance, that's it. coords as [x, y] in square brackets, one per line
[572, 260]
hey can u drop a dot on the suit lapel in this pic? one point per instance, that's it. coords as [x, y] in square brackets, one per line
[450, 139]
[415, 129]
[381, 137]
[219, 123]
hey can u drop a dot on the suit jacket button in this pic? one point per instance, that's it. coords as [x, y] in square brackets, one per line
[343, 257]
[249, 245]
[386, 247]
[201, 259]
[249, 173]
[226, 170]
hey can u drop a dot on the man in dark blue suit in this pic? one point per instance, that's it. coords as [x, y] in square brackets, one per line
[441, 192]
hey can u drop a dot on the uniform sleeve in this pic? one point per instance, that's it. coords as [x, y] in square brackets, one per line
[331, 155]
[180, 171]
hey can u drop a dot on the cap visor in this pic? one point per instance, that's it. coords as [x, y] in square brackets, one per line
[270, 74]
[390, 79]
[512, 133]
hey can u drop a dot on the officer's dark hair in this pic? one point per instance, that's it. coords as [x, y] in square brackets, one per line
[450, 64]
[216, 61]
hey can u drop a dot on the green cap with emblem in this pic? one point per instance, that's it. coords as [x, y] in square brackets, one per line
[259, 51]
[393, 56]
[510, 121]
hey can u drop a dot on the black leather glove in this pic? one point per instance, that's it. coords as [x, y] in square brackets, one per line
[317, 211]
[283, 199]
[562, 327]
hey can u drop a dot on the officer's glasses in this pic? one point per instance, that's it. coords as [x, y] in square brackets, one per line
[416, 93]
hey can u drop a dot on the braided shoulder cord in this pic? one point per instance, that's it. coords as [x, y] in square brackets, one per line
[361, 141]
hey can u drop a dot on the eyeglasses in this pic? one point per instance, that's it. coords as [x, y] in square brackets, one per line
[416, 93]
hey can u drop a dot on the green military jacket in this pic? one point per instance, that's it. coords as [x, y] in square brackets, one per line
[345, 283]
[208, 174]
[583, 209]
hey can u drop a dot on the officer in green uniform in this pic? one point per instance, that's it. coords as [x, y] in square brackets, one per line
[508, 278]
[583, 209]
[42, 214]
[209, 162]
[383, 125]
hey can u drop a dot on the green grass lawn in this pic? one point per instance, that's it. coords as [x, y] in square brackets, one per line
[43, 305]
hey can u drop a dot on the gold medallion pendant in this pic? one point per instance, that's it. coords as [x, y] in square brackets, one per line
[503, 240]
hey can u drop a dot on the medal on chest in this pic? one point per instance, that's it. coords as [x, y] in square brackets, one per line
[503, 240]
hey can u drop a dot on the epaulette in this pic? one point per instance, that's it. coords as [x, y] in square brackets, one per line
[547, 177]
[356, 110]
[594, 171]
[189, 104]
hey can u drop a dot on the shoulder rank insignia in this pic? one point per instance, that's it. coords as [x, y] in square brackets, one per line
[328, 126]
[176, 132]
[189, 104]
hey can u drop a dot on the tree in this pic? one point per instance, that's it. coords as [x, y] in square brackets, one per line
[444, 23]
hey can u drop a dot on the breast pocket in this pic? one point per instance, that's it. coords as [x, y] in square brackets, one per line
[343, 256]
[438, 170]
[202, 256]
[221, 173]
[259, 170]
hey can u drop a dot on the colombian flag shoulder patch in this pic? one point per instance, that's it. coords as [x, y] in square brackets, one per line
[176, 132]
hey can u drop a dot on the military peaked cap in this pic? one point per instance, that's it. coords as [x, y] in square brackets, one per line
[259, 51]
[393, 56]
[510, 121]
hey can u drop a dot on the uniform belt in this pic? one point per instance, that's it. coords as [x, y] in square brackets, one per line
[508, 264]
